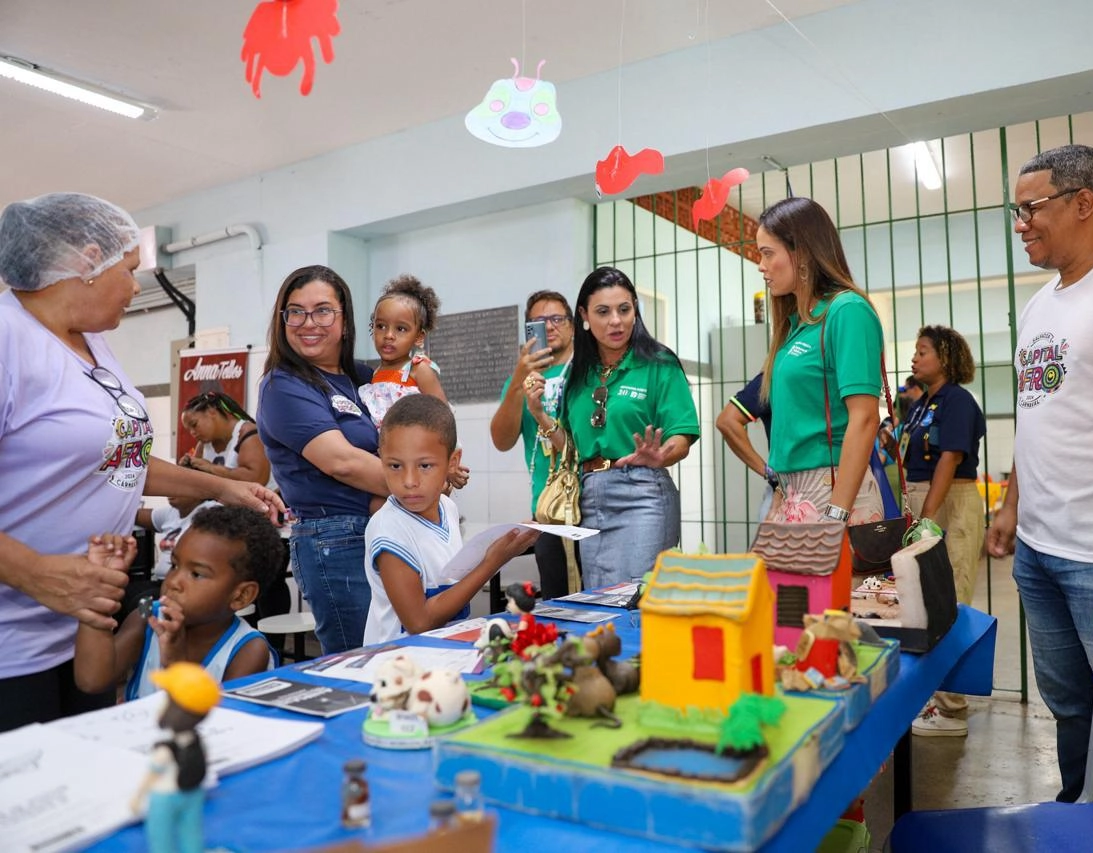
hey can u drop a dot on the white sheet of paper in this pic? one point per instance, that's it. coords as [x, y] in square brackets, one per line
[54, 795]
[474, 549]
[233, 740]
[460, 660]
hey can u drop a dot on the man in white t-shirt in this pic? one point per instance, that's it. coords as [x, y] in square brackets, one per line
[1046, 525]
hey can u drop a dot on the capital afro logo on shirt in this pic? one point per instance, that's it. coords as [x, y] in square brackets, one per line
[1042, 369]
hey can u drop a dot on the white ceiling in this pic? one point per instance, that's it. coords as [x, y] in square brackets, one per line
[398, 64]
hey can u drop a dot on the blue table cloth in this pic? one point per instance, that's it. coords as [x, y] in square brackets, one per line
[294, 802]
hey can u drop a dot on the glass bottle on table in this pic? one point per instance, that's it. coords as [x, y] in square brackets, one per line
[441, 815]
[468, 796]
[356, 800]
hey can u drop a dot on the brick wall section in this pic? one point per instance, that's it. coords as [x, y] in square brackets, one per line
[725, 230]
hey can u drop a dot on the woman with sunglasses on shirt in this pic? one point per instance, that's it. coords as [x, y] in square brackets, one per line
[322, 445]
[75, 444]
[628, 407]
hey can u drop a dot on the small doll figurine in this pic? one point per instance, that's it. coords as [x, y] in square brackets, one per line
[521, 601]
[176, 800]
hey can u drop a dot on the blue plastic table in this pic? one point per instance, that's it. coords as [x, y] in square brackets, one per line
[294, 801]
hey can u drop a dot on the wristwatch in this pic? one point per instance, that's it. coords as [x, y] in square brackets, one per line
[771, 476]
[837, 513]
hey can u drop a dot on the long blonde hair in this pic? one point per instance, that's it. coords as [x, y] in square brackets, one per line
[816, 252]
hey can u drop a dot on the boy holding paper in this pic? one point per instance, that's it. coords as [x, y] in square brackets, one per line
[412, 538]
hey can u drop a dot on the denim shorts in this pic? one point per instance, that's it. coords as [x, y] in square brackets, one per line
[328, 563]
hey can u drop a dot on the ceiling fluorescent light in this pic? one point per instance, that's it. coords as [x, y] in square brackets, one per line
[50, 81]
[928, 173]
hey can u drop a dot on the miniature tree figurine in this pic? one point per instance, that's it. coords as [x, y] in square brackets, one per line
[176, 770]
[742, 732]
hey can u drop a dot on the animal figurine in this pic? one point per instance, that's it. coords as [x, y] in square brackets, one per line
[439, 697]
[592, 695]
[395, 678]
[623, 675]
[519, 112]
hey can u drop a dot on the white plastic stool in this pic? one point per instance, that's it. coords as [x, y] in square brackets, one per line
[298, 622]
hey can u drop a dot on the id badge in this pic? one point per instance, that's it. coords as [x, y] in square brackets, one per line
[904, 441]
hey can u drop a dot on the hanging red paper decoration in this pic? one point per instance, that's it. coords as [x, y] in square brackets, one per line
[618, 169]
[715, 195]
[279, 35]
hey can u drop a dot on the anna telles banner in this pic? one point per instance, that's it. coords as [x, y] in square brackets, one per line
[214, 370]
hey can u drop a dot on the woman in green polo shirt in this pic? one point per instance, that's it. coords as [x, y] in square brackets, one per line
[825, 352]
[629, 408]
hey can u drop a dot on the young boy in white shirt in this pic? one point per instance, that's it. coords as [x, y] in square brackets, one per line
[411, 539]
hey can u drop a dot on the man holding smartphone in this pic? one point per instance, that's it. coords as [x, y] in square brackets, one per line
[540, 371]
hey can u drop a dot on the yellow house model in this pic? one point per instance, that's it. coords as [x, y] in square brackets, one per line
[707, 630]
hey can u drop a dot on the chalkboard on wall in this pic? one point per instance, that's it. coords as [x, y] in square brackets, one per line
[476, 351]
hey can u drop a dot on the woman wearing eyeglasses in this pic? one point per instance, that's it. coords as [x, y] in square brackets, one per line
[322, 443]
[629, 408]
[75, 443]
[227, 439]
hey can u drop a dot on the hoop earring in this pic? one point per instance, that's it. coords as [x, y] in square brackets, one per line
[585, 326]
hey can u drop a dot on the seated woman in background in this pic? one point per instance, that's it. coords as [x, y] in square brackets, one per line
[822, 375]
[629, 409]
[322, 446]
[227, 439]
[228, 446]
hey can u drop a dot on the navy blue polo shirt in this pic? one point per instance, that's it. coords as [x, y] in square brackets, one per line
[949, 420]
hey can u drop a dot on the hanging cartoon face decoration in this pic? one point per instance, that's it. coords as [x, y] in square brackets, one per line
[715, 195]
[517, 113]
[618, 170]
[279, 35]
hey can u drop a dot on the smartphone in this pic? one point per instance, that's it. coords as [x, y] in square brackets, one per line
[536, 329]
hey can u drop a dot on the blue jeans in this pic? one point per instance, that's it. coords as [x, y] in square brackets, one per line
[328, 563]
[1058, 597]
[637, 513]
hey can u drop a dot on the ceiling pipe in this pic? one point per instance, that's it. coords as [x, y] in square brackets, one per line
[248, 231]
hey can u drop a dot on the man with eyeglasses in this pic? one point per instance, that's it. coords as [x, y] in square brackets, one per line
[541, 373]
[1046, 525]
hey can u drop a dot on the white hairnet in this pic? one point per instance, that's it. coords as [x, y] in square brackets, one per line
[62, 235]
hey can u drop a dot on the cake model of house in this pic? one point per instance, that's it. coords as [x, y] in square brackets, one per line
[706, 631]
[809, 569]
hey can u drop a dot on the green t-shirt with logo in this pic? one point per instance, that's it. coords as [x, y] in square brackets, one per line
[535, 456]
[639, 394]
[852, 348]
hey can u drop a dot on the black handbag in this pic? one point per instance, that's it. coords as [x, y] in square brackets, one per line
[872, 544]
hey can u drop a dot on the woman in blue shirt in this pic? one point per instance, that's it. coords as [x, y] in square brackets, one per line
[939, 441]
[321, 443]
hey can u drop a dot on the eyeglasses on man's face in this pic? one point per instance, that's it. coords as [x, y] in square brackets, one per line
[554, 319]
[323, 316]
[1025, 211]
[599, 414]
[112, 385]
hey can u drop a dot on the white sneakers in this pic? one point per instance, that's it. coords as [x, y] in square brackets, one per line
[932, 723]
